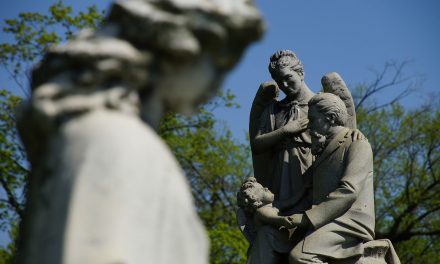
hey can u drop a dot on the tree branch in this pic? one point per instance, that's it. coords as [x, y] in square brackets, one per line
[11, 197]
[380, 84]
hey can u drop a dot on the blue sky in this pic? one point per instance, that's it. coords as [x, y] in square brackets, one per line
[351, 37]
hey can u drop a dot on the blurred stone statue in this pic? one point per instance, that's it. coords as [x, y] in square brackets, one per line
[104, 188]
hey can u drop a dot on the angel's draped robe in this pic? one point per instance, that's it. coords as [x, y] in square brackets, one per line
[289, 160]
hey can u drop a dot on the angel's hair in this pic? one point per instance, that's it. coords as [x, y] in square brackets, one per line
[285, 58]
[329, 104]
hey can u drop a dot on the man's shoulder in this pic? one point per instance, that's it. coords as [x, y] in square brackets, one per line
[357, 145]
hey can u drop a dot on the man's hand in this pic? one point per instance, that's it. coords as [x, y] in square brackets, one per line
[299, 220]
[296, 126]
[286, 222]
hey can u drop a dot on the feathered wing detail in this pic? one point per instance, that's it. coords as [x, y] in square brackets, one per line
[267, 94]
[333, 83]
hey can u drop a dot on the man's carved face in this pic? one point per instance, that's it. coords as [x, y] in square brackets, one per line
[289, 81]
[319, 126]
[318, 122]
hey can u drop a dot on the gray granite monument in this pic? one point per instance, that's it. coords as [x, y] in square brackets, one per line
[104, 188]
[307, 151]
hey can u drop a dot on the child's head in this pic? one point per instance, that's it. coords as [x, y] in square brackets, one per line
[253, 195]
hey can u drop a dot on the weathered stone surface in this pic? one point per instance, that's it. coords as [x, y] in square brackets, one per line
[333, 83]
[379, 252]
[104, 188]
[306, 150]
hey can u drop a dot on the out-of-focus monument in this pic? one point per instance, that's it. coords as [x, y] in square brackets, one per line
[104, 188]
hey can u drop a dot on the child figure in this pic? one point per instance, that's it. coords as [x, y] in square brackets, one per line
[255, 204]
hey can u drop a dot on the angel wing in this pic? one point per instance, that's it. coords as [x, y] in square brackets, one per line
[333, 83]
[267, 93]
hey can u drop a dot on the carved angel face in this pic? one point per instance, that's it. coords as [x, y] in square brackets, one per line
[289, 81]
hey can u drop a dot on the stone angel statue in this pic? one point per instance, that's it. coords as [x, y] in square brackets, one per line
[333, 83]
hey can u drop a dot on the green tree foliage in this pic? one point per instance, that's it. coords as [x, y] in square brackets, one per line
[7, 253]
[33, 33]
[215, 165]
[13, 170]
[406, 148]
